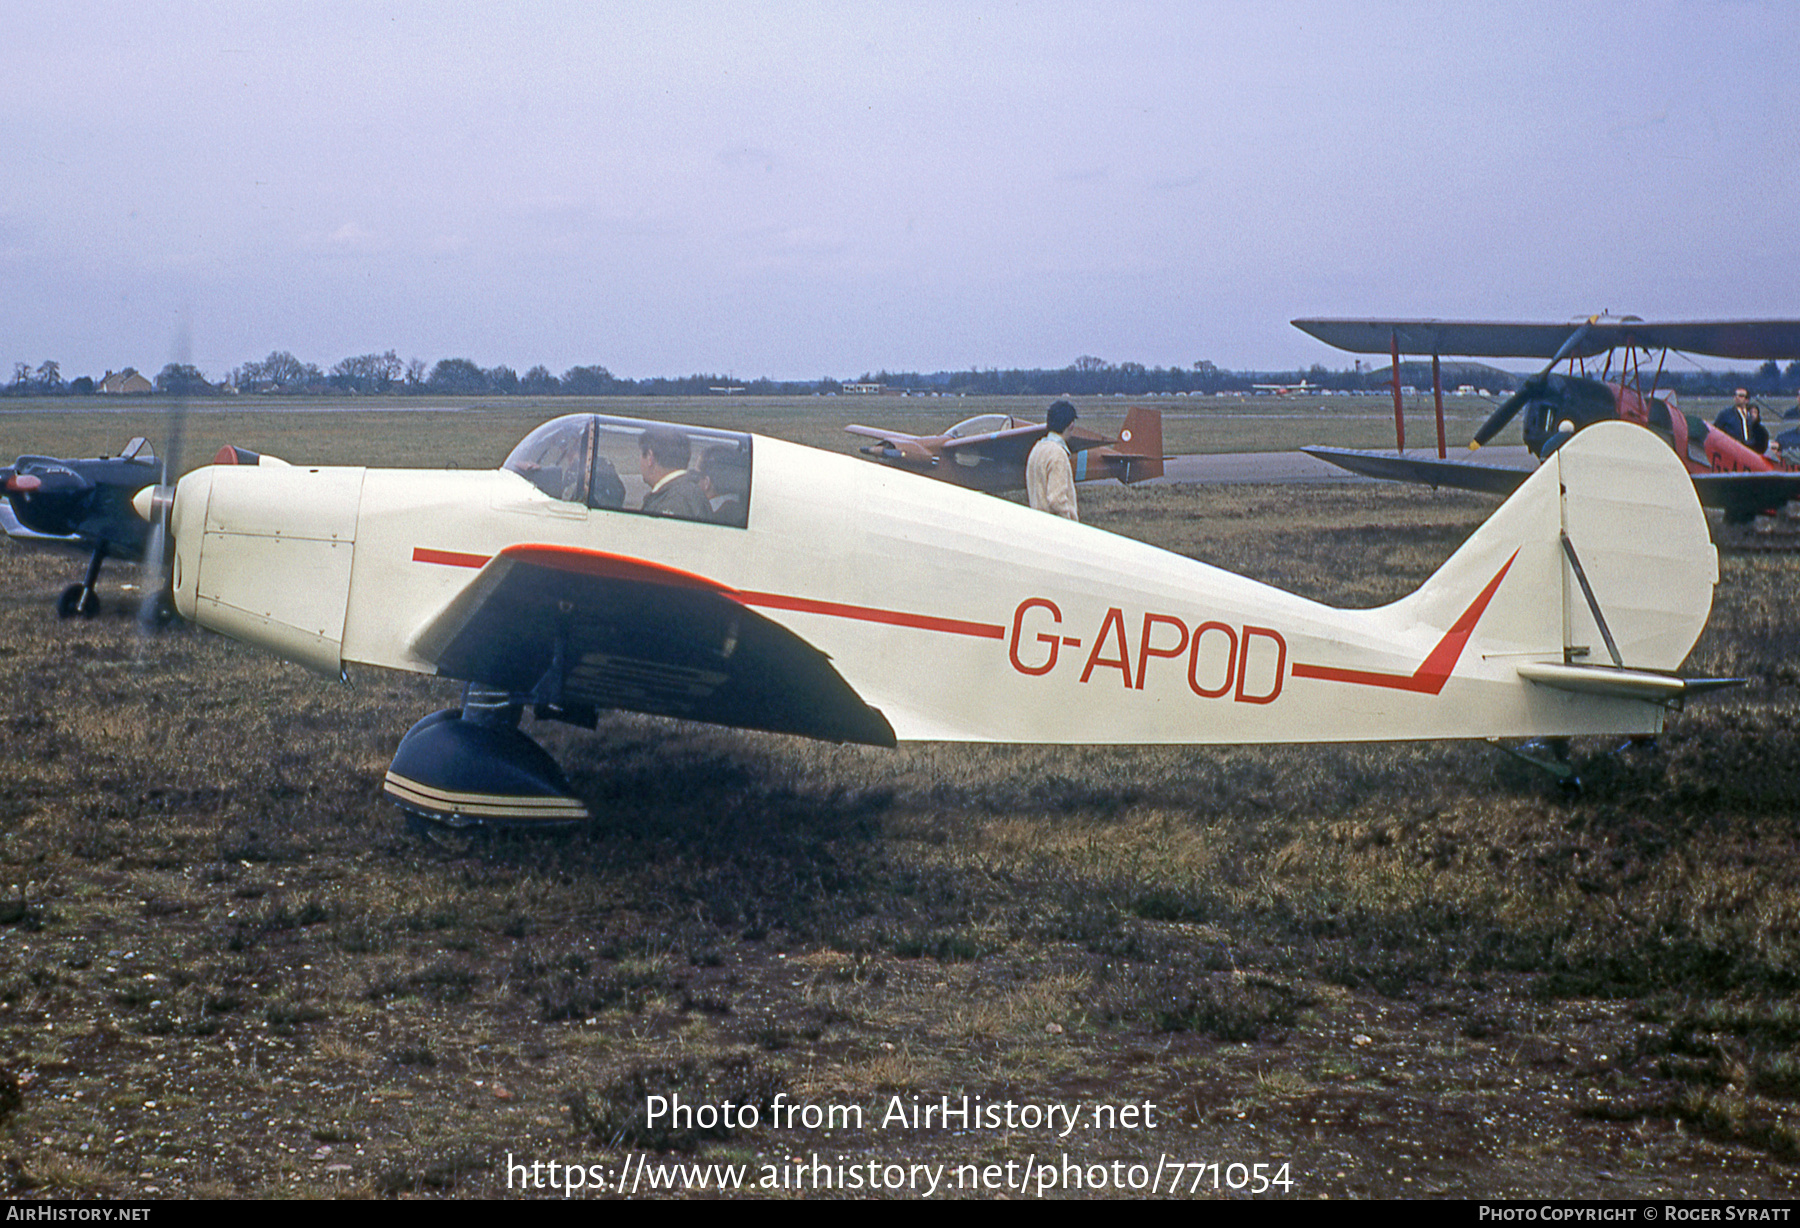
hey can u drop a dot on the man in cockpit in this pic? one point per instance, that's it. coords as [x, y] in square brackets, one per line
[663, 454]
[724, 478]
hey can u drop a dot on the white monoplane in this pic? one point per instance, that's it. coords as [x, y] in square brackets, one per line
[743, 581]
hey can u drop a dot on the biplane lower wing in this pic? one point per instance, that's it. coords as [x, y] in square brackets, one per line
[584, 627]
[1486, 479]
[1744, 495]
[1740, 496]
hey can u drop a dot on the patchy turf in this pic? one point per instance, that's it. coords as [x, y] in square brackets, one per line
[226, 969]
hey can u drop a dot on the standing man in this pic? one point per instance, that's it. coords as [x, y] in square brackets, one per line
[1742, 420]
[1049, 473]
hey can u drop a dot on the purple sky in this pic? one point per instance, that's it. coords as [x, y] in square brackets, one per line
[798, 190]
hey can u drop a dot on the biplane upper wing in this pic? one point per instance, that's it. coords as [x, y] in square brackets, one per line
[1425, 470]
[572, 626]
[1745, 339]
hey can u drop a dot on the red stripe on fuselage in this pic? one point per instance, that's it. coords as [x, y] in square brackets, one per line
[1435, 670]
[870, 614]
[600, 564]
[622, 567]
[449, 558]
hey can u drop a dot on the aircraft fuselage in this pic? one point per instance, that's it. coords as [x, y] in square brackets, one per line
[960, 617]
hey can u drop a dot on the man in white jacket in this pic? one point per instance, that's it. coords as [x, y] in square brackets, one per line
[1049, 473]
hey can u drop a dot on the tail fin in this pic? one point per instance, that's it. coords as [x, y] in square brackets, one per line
[1608, 564]
[1139, 447]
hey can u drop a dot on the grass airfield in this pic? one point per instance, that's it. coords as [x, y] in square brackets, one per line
[1409, 970]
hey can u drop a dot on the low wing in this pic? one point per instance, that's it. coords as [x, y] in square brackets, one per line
[901, 445]
[1748, 339]
[1426, 471]
[9, 524]
[574, 626]
[1009, 447]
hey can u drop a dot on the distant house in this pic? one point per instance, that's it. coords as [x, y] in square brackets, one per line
[123, 382]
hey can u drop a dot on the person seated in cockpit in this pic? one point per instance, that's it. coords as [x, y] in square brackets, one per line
[552, 459]
[663, 454]
[609, 488]
[724, 479]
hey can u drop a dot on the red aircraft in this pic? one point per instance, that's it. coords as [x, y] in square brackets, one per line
[988, 452]
[1727, 474]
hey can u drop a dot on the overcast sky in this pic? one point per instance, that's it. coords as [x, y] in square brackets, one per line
[799, 190]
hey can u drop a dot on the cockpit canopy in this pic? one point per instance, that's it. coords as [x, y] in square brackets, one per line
[700, 473]
[983, 424]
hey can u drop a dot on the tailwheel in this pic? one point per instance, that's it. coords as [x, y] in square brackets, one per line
[1547, 755]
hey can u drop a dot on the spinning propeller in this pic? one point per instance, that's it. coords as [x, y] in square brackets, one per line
[154, 504]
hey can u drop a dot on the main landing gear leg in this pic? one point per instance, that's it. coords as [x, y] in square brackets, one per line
[81, 598]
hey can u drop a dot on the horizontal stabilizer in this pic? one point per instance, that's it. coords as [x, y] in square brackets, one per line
[1620, 683]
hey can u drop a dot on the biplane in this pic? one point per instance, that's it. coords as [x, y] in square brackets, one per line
[820, 598]
[988, 452]
[1727, 474]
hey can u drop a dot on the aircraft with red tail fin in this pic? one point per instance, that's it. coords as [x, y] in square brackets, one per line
[988, 452]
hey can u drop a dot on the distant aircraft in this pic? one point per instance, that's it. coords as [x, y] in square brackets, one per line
[814, 595]
[1726, 473]
[82, 505]
[988, 452]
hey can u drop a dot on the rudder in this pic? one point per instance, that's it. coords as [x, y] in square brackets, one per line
[1607, 557]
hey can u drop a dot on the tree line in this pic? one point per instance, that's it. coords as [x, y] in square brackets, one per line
[385, 374]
